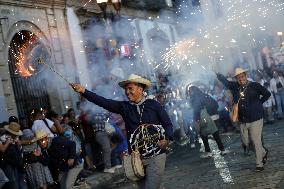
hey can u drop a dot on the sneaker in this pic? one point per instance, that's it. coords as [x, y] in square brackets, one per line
[117, 166]
[224, 152]
[206, 155]
[192, 145]
[259, 169]
[110, 170]
[265, 157]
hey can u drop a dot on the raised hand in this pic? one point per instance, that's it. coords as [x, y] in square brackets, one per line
[77, 87]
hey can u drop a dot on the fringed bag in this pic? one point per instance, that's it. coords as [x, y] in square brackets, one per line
[235, 113]
[133, 166]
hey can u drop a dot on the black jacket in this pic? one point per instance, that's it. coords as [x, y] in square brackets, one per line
[250, 105]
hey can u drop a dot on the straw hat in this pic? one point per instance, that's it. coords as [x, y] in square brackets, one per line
[238, 71]
[14, 128]
[135, 79]
[40, 134]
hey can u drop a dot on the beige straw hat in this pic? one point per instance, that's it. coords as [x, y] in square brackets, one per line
[135, 79]
[40, 134]
[238, 71]
[14, 128]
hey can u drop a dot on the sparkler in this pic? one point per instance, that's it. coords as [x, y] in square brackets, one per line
[217, 35]
[40, 61]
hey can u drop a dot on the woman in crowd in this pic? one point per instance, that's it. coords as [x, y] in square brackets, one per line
[36, 160]
[11, 156]
[199, 101]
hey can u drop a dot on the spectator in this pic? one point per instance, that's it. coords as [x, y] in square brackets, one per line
[277, 87]
[119, 147]
[36, 160]
[11, 155]
[224, 116]
[44, 124]
[268, 106]
[89, 138]
[63, 155]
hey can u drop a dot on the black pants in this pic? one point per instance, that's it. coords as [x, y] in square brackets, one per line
[217, 138]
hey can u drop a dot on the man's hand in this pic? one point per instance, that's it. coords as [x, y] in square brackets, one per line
[163, 144]
[77, 87]
[218, 74]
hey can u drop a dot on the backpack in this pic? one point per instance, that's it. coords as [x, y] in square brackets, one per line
[207, 125]
[211, 105]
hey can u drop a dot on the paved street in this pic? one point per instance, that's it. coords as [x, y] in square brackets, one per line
[185, 169]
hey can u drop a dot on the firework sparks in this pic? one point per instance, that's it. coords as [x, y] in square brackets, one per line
[180, 51]
[21, 59]
[239, 26]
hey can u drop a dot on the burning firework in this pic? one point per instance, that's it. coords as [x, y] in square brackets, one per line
[25, 52]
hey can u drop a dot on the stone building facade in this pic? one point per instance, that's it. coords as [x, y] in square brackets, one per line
[47, 20]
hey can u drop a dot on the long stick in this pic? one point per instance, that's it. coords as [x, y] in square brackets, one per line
[40, 61]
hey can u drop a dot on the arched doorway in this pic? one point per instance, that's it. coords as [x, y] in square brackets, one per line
[29, 85]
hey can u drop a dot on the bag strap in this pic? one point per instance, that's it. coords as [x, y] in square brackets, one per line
[242, 93]
[46, 124]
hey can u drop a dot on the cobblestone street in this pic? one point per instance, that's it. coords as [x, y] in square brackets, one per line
[185, 169]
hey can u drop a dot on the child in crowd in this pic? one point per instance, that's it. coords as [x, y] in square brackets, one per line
[36, 159]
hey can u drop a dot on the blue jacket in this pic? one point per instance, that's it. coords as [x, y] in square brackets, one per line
[250, 105]
[153, 113]
[122, 146]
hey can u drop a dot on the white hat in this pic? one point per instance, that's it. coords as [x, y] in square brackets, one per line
[238, 71]
[135, 79]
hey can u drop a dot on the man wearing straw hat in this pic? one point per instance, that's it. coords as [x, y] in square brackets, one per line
[134, 112]
[11, 157]
[249, 98]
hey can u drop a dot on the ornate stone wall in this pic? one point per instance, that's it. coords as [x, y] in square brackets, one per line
[46, 19]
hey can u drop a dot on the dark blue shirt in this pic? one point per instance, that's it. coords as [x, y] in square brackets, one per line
[60, 150]
[250, 106]
[153, 113]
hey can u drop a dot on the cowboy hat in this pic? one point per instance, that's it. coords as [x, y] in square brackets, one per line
[40, 134]
[238, 71]
[135, 79]
[14, 128]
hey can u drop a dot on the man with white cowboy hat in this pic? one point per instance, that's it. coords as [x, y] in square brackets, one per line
[134, 112]
[250, 97]
[11, 160]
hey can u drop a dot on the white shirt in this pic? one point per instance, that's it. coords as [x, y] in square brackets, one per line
[40, 125]
[273, 83]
